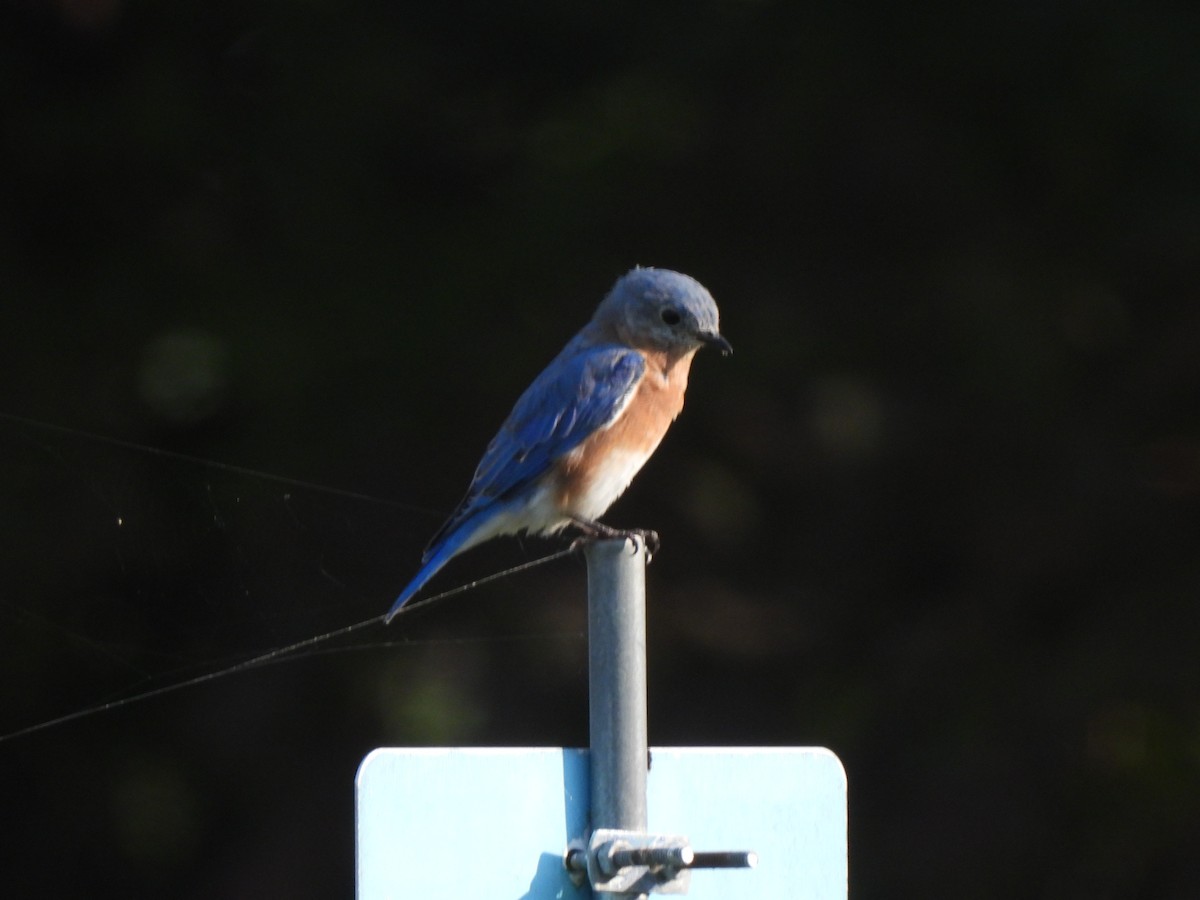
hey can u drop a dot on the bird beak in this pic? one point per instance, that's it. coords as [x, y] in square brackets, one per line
[712, 339]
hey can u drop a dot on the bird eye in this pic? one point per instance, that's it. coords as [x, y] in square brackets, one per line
[670, 316]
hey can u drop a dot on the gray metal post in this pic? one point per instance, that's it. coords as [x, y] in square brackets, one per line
[620, 857]
[617, 682]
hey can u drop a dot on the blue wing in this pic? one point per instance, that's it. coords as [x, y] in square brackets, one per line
[581, 391]
[572, 398]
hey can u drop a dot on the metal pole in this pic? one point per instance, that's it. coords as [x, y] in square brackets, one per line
[617, 682]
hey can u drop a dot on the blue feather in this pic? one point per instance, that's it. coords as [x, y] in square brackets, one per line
[433, 560]
[578, 393]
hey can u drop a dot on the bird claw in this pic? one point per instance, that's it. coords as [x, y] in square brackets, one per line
[647, 536]
[650, 539]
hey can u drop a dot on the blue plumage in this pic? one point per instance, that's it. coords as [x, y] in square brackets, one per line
[562, 407]
[578, 393]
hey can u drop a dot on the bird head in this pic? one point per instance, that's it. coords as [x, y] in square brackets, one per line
[663, 310]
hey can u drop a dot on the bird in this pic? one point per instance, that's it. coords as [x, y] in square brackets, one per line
[587, 424]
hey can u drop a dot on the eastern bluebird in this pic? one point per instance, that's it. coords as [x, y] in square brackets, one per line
[588, 423]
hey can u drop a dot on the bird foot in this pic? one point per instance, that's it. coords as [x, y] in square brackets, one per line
[598, 531]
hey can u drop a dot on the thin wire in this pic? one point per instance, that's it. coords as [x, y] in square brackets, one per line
[495, 576]
[201, 461]
[287, 653]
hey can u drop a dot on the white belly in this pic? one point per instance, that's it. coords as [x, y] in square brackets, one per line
[538, 514]
[608, 480]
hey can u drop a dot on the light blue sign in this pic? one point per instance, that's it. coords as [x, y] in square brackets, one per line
[494, 822]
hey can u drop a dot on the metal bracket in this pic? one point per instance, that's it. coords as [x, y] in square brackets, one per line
[631, 862]
[617, 861]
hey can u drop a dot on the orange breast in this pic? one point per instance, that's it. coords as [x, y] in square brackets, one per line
[597, 472]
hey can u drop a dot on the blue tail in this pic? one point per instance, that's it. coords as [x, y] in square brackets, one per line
[438, 556]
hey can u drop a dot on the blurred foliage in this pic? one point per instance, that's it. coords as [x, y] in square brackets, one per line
[939, 513]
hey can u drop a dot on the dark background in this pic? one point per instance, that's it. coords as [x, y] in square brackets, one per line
[939, 513]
